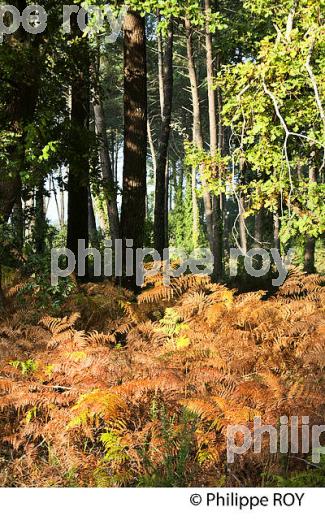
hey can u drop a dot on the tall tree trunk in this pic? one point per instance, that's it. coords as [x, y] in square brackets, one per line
[78, 179]
[107, 171]
[161, 190]
[210, 80]
[160, 68]
[135, 133]
[112, 153]
[310, 244]
[152, 147]
[107, 165]
[167, 195]
[116, 156]
[59, 200]
[197, 134]
[217, 206]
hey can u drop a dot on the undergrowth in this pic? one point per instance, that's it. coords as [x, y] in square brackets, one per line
[111, 390]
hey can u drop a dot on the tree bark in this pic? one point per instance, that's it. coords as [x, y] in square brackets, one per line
[310, 244]
[40, 222]
[135, 134]
[167, 194]
[160, 68]
[217, 206]
[242, 226]
[9, 191]
[210, 79]
[276, 231]
[107, 171]
[198, 135]
[195, 212]
[92, 228]
[18, 223]
[161, 190]
[78, 179]
[258, 231]
[152, 147]
[59, 200]
[258, 235]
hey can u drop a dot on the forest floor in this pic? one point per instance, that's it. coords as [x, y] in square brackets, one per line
[117, 390]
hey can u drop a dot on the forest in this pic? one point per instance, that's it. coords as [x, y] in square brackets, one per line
[178, 129]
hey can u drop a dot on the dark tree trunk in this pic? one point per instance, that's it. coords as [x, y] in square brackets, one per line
[18, 223]
[160, 68]
[78, 179]
[309, 255]
[9, 191]
[258, 232]
[161, 191]
[310, 244]
[242, 225]
[40, 222]
[92, 228]
[135, 133]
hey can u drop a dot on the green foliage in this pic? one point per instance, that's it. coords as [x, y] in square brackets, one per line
[273, 109]
[171, 323]
[26, 367]
[115, 449]
[313, 476]
[38, 269]
[178, 443]
[214, 166]
[181, 220]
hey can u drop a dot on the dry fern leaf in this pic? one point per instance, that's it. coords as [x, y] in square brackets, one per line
[156, 294]
[57, 325]
[13, 291]
[99, 339]
[6, 385]
[206, 410]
